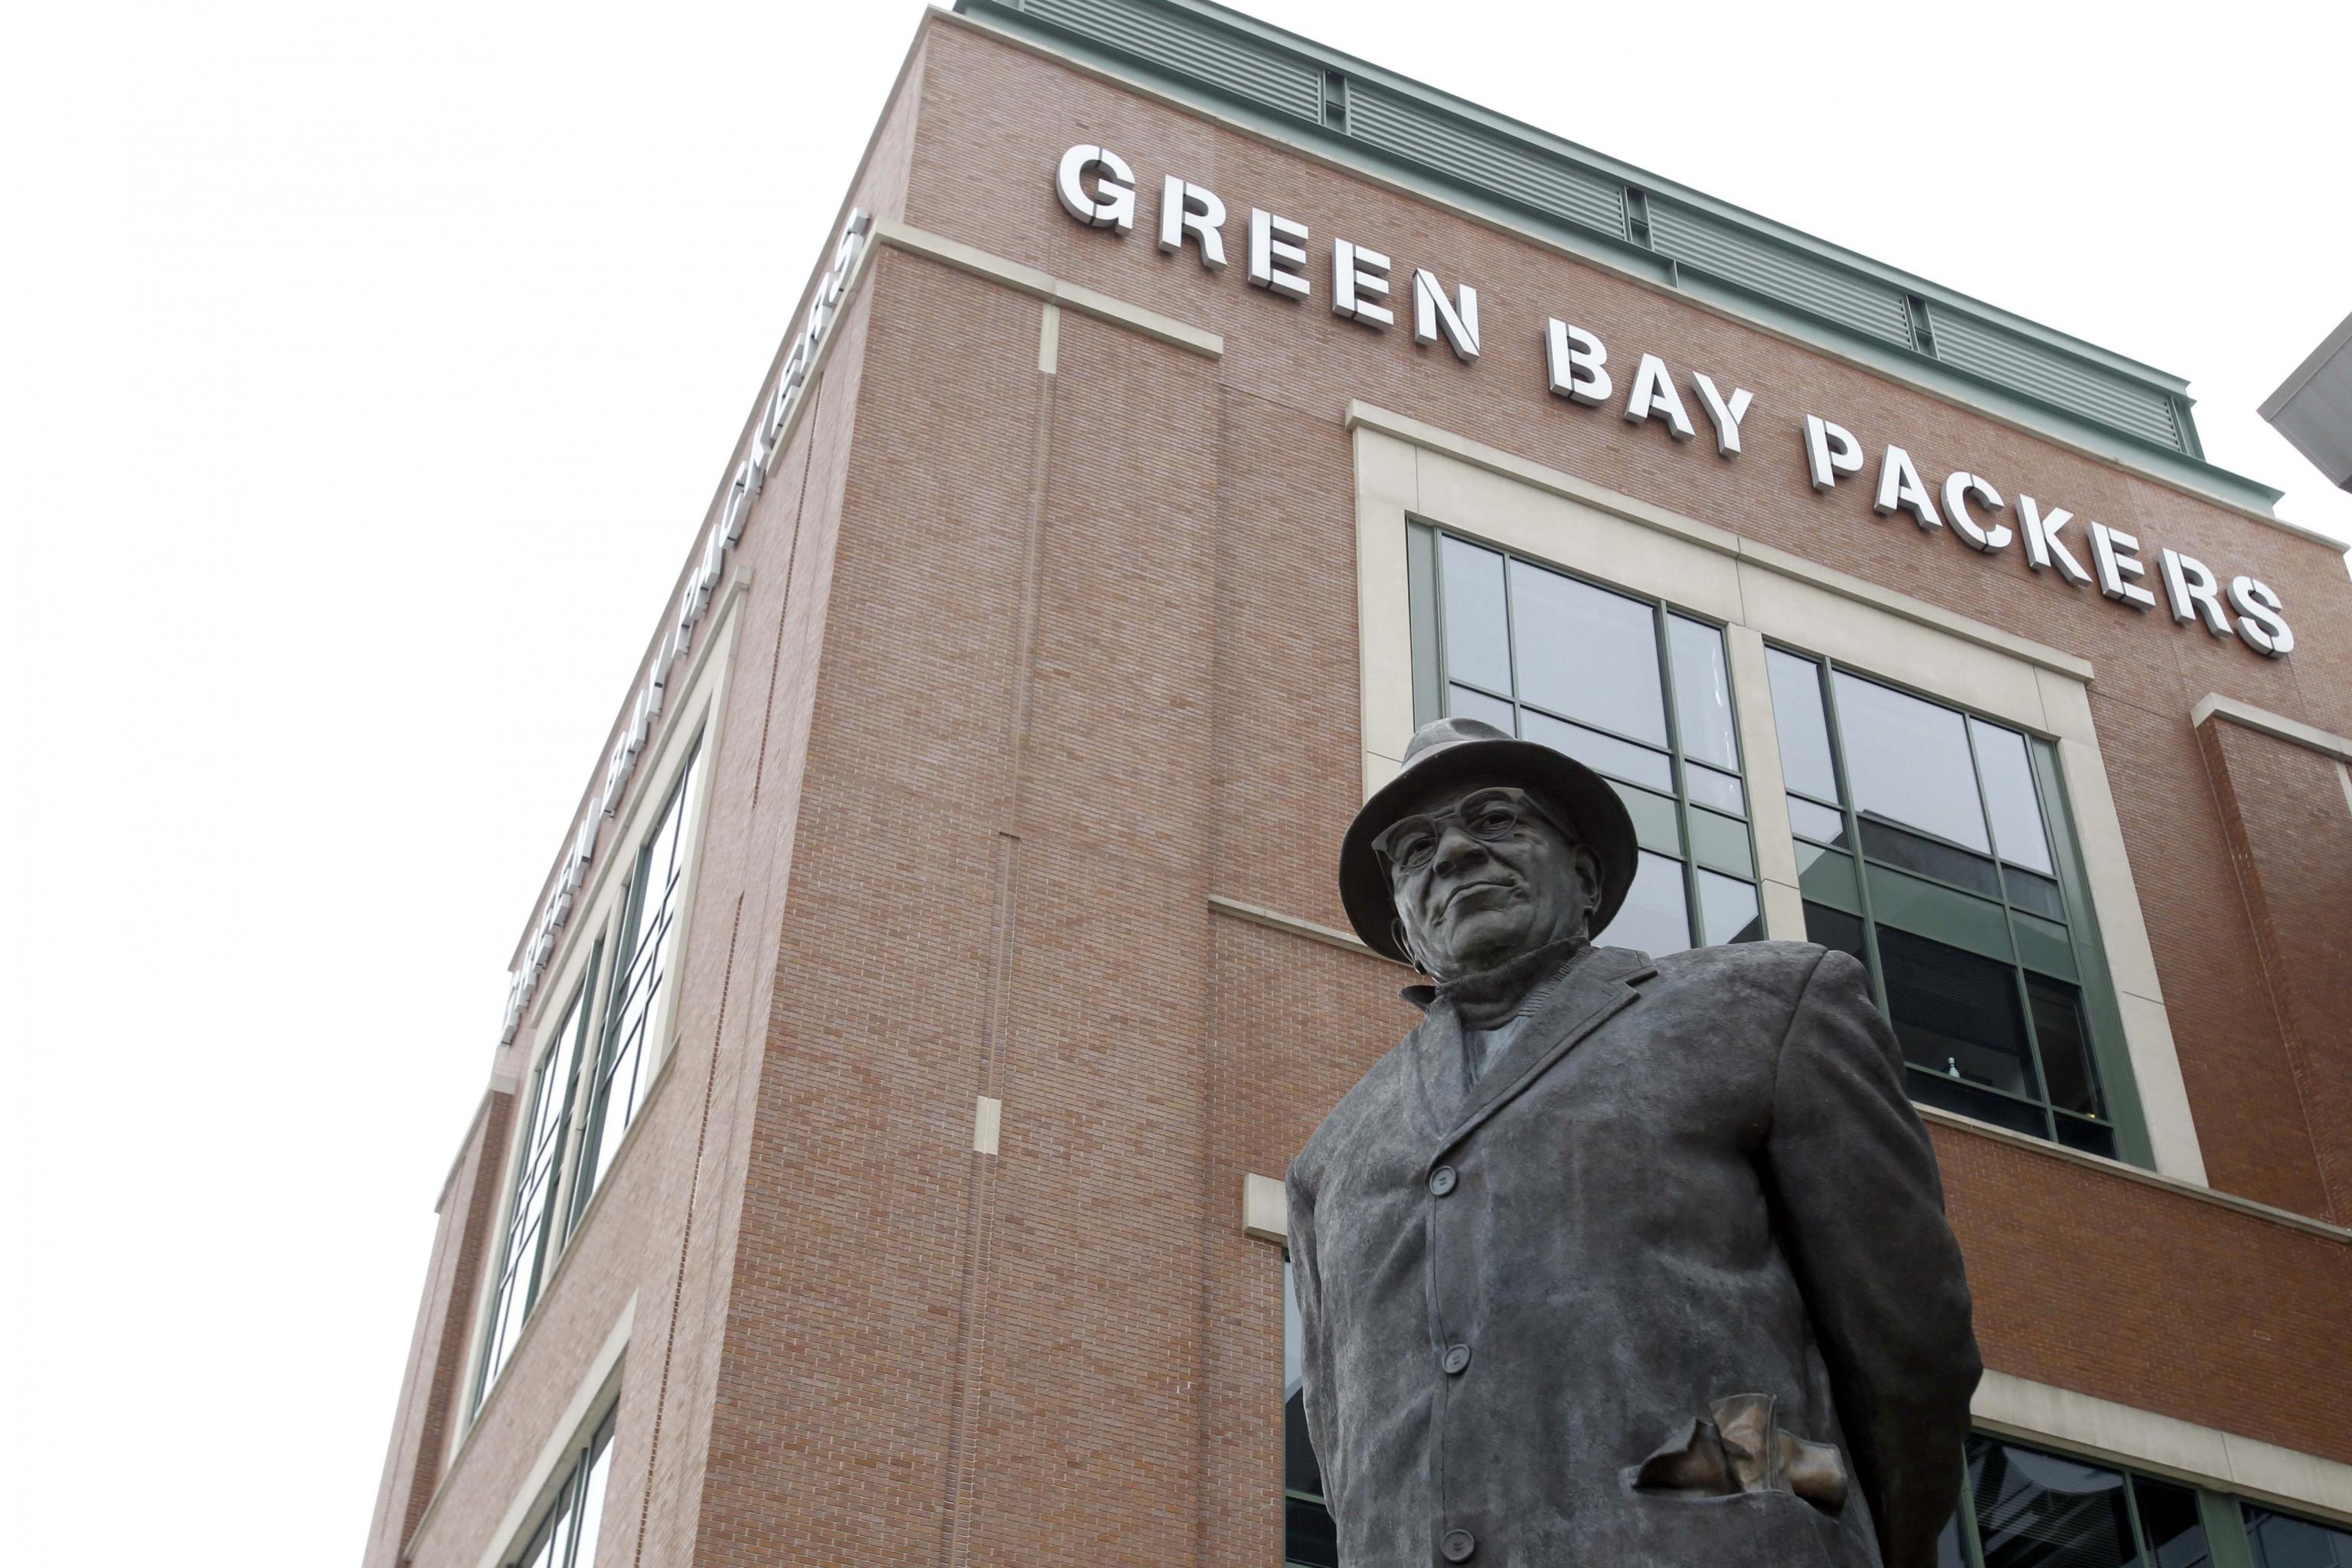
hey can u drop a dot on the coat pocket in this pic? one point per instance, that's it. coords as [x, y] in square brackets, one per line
[1738, 1448]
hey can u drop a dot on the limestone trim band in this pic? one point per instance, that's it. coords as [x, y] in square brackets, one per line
[1026, 279]
[1293, 924]
[2164, 1445]
[2203, 1195]
[2213, 705]
[1722, 540]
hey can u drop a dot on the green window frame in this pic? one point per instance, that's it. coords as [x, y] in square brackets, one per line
[1630, 685]
[1967, 900]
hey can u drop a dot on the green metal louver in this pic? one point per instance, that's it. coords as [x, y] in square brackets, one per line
[1419, 135]
[1776, 272]
[1176, 42]
[2005, 357]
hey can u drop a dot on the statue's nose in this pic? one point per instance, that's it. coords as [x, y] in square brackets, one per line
[1456, 849]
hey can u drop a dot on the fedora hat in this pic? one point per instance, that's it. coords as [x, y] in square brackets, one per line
[1470, 751]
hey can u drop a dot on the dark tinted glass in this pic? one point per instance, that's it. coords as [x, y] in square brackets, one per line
[1309, 1535]
[1884, 842]
[2090, 1137]
[1588, 654]
[1909, 761]
[1477, 634]
[1965, 1100]
[2282, 1540]
[1702, 692]
[1956, 1014]
[2066, 1067]
[2037, 1510]
[2038, 895]
[1804, 731]
[1836, 928]
[2169, 1523]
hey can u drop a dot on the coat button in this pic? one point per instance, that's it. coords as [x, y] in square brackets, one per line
[1457, 1359]
[1440, 1181]
[1459, 1544]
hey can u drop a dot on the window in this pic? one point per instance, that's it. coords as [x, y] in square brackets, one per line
[565, 1535]
[1638, 692]
[525, 1253]
[1934, 846]
[646, 942]
[2025, 1508]
[1310, 1539]
[2282, 1540]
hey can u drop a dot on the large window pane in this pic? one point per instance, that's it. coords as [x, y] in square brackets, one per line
[1477, 633]
[1955, 1013]
[1655, 917]
[1602, 753]
[2010, 799]
[1890, 845]
[1909, 761]
[1805, 729]
[2036, 1510]
[1719, 790]
[641, 970]
[1818, 823]
[1464, 704]
[525, 1250]
[2282, 1540]
[1588, 654]
[1727, 909]
[1702, 693]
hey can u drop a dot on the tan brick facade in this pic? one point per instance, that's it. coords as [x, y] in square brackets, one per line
[1030, 666]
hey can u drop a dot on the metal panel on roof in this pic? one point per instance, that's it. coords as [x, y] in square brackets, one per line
[2011, 360]
[1181, 44]
[1395, 125]
[1776, 272]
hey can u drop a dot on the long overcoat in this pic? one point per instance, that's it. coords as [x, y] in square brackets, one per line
[1671, 1284]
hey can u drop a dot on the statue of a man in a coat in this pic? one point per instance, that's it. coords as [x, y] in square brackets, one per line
[1614, 1262]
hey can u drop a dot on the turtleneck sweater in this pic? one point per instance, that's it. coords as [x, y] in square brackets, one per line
[1494, 1004]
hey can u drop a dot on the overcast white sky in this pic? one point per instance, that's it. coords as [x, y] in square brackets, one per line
[365, 371]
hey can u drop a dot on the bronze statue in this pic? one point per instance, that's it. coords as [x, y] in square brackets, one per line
[1613, 1261]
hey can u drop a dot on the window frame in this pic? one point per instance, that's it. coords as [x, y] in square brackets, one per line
[1407, 470]
[686, 789]
[2103, 1023]
[1432, 679]
[693, 719]
[550, 1235]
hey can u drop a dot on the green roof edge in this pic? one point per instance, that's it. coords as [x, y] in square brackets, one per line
[2184, 468]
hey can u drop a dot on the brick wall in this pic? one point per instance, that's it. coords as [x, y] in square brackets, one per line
[1034, 665]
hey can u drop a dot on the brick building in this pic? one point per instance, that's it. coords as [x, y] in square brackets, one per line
[880, 1160]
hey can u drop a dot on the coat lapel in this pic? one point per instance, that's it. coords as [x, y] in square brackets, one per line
[1596, 987]
[1437, 1065]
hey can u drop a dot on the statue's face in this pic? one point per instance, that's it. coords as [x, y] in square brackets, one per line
[1480, 875]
